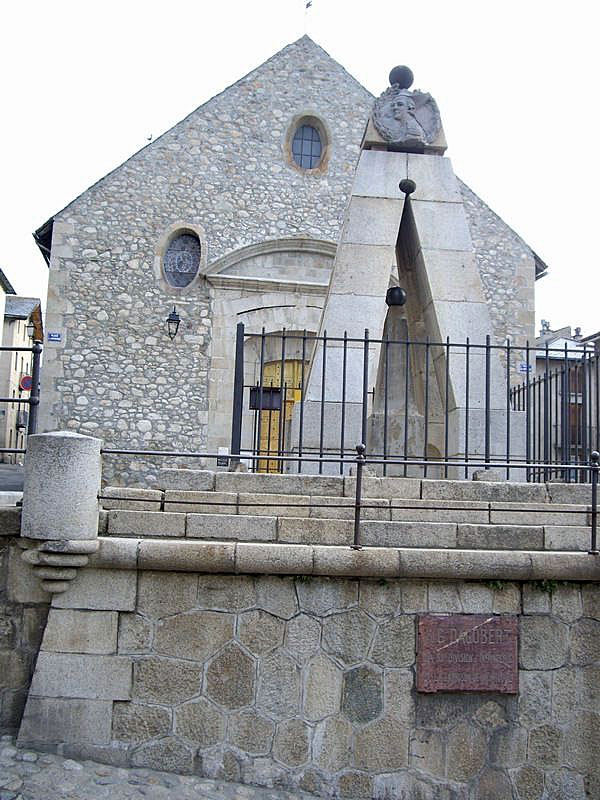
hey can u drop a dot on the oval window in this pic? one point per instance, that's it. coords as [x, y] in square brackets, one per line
[307, 147]
[182, 259]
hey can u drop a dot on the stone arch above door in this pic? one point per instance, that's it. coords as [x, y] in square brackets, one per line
[300, 264]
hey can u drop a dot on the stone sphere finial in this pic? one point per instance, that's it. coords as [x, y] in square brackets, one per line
[402, 76]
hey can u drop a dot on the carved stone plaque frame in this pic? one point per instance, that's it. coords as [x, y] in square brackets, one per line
[467, 653]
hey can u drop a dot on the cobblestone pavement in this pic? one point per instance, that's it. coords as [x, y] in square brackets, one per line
[27, 775]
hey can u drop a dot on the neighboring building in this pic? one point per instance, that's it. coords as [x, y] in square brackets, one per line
[232, 215]
[561, 400]
[593, 339]
[22, 324]
[5, 288]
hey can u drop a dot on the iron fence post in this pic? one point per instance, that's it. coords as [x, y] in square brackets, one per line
[360, 462]
[34, 395]
[238, 396]
[546, 414]
[595, 458]
[487, 401]
[365, 388]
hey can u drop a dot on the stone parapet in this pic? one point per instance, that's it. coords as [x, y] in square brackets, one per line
[60, 517]
[61, 486]
[300, 559]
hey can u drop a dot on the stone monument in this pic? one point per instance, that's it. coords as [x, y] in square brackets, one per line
[405, 224]
[403, 117]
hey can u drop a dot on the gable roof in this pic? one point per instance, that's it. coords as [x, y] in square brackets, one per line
[5, 284]
[541, 267]
[305, 46]
[20, 307]
[43, 234]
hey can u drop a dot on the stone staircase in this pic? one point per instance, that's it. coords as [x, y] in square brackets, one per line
[319, 510]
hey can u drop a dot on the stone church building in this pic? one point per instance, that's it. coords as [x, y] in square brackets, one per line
[231, 216]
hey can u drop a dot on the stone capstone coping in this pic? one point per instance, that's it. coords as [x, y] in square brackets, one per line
[385, 562]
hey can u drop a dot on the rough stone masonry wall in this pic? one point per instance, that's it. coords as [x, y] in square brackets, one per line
[224, 168]
[310, 683]
[23, 612]
[507, 268]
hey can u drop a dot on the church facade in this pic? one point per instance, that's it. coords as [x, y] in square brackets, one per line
[233, 215]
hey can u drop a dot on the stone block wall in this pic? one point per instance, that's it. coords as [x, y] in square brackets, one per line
[309, 682]
[23, 612]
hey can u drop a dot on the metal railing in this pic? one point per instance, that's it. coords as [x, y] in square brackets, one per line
[562, 405]
[33, 400]
[359, 461]
[549, 419]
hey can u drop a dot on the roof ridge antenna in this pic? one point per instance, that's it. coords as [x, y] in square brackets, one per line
[307, 8]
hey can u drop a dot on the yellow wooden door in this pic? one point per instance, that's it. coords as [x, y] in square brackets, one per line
[272, 426]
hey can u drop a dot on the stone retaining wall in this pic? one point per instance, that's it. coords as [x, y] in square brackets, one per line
[309, 682]
[23, 612]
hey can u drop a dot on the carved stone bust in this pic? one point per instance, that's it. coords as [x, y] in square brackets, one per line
[404, 117]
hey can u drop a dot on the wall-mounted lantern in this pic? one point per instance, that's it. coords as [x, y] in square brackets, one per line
[173, 321]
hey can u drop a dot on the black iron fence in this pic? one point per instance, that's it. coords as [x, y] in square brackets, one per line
[28, 398]
[445, 405]
[358, 462]
[562, 406]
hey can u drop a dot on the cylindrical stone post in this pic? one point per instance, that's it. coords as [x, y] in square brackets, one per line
[60, 504]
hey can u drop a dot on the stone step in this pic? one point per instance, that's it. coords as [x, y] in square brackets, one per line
[335, 531]
[131, 499]
[500, 537]
[539, 514]
[566, 537]
[377, 488]
[329, 507]
[205, 480]
[201, 502]
[570, 492]
[440, 511]
[491, 491]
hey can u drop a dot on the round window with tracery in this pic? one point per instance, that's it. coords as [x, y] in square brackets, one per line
[307, 147]
[182, 259]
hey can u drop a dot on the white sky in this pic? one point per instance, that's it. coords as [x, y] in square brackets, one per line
[84, 84]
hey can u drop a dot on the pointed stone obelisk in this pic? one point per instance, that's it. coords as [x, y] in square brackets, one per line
[405, 221]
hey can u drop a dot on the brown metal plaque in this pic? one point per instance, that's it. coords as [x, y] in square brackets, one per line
[467, 653]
